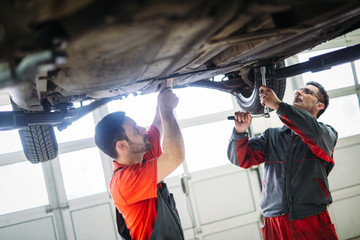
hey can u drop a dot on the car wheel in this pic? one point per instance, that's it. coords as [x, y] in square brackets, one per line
[39, 143]
[248, 98]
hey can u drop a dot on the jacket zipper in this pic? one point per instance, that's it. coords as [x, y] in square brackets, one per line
[288, 192]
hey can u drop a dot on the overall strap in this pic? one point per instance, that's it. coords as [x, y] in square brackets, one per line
[117, 170]
[167, 225]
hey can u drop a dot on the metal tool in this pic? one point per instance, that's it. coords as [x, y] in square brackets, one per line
[263, 79]
[253, 116]
[266, 109]
[168, 82]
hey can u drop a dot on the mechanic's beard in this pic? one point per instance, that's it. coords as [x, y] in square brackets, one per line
[139, 147]
[307, 107]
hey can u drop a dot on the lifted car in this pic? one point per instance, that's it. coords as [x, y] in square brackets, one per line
[56, 53]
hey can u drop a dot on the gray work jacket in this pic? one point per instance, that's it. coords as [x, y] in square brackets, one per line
[298, 158]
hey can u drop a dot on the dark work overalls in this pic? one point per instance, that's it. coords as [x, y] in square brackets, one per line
[167, 225]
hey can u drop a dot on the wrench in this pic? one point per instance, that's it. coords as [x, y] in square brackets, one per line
[263, 71]
[266, 109]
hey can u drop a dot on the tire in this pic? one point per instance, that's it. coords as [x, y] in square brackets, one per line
[249, 100]
[39, 143]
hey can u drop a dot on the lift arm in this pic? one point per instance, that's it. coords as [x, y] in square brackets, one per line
[318, 63]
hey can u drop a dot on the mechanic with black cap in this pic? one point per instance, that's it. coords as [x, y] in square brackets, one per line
[298, 158]
[146, 209]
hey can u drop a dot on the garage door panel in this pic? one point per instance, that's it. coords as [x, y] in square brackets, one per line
[36, 229]
[94, 223]
[223, 196]
[250, 231]
[346, 162]
[345, 214]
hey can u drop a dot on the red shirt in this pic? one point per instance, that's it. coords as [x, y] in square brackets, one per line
[134, 187]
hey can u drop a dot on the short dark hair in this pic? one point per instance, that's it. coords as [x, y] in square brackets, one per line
[108, 131]
[322, 94]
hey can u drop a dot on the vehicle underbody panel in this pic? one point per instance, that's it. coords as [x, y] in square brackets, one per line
[56, 53]
[114, 48]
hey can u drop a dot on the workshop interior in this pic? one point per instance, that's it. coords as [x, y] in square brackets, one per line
[66, 65]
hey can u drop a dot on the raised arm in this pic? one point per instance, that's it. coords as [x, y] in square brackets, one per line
[173, 145]
[157, 121]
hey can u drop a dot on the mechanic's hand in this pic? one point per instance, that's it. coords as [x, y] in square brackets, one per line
[268, 98]
[167, 100]
[242, 121]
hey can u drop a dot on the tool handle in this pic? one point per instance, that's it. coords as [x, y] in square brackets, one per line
[263, 80]
[265, 115]
[167, 83]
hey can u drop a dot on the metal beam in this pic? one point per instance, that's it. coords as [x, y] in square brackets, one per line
[318, 63]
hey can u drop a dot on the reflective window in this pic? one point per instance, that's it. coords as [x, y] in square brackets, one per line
[337, 77]
[83, 173]
[194, 102]
[5, 107]
[80, 129]
[10, 139]
[140, 108]
[343, 114]
[206, 145]
[22, 186]
[357, 68]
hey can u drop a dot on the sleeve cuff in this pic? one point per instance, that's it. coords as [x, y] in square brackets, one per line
[239, 136]
[281, 110]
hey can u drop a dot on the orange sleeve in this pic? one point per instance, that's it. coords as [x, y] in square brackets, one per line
[154, 137]
[134, 183]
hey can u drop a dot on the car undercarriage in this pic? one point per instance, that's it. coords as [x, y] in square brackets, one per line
[57, 53]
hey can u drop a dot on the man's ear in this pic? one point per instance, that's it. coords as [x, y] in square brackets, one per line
[320, 106]
[121, 145]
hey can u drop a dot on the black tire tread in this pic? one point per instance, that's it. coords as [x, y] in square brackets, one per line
[39, 143]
